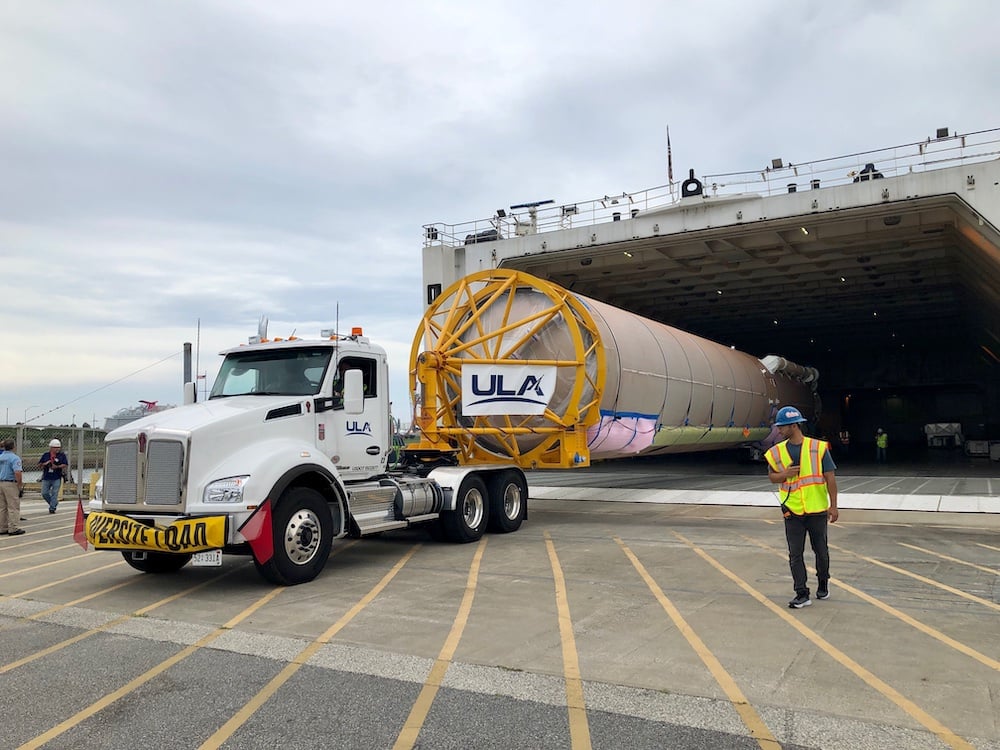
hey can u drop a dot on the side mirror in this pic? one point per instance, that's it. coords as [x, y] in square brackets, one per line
[354, 392]
[190, 393]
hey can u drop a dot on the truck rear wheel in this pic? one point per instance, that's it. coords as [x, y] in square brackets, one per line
[303, 534]
[472, 512]
[155, 562]
[508, 501]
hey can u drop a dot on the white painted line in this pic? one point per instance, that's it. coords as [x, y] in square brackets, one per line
[859, 501]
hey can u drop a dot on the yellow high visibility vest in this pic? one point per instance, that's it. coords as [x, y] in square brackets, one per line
[807, 492]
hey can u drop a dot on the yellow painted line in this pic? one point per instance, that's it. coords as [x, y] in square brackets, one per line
[43, 565]
[38, 552]
[943, 733]
[579, 729]
[110, 623]
[26, 592]
[983, 568]
[751, 719]
[145, 677]
[988, 546]
[922, 579]
[238, 719]
[418, 714]
[888, 609]
[128, 582]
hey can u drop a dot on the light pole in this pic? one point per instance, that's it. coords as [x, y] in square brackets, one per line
[33, 406]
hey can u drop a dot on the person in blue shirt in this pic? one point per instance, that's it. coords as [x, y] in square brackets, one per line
[52, 465]
[11, 487]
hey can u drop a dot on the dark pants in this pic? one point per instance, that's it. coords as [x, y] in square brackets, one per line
[796, 528]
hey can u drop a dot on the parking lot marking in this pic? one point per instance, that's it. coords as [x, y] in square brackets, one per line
[988, 546]
[35, 554]
[889, 609]
[922, 579]
[579, 728]
[983, 568]
[146, 676]
[418, 714]
[751, 719]
[238, 719]
[88, 597]
[110, 623]
[943, 733]
[50, 584]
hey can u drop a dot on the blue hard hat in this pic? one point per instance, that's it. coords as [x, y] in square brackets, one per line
[788, 415]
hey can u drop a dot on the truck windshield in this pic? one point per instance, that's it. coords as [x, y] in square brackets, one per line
[282, 372]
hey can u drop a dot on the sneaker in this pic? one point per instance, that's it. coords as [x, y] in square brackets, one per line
[823, 593]
[52, 510]
[799, 602]
[15, 533]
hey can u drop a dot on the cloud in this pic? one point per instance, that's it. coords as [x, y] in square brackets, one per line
[166, 164]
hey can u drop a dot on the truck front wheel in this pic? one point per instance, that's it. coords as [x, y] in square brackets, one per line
[472, 512]
[155, 562]
[303, 534]
[508, 501]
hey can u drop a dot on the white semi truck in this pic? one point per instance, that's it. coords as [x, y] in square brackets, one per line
[291, 450]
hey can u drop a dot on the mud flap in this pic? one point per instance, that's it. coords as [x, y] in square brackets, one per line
[257, 531]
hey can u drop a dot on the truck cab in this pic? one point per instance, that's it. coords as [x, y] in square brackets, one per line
[311, 376]
[289, 453]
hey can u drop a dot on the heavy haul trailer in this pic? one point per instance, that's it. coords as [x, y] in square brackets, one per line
[291, 450]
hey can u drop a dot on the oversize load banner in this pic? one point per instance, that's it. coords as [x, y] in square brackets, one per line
[111, 531]
[506, 389]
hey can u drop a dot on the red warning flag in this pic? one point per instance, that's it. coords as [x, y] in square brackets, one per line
[79, 528]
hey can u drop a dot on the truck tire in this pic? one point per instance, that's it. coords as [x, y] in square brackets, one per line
[155, 562]
[472, 512]
[508, 501]
[303, 534]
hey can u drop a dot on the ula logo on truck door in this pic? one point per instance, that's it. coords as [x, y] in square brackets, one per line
[506, 389]
[359, 428]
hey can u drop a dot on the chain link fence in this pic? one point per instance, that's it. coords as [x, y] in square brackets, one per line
[83, 446]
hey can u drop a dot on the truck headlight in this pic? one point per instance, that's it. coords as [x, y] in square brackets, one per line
[228, 490]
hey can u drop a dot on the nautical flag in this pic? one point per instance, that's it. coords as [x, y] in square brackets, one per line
[670, 159]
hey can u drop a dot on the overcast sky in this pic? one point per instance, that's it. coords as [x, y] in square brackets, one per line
[170, 162]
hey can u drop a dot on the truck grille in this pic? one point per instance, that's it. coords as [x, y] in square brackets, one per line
[163, 472]
[164, 464]
[120, 472]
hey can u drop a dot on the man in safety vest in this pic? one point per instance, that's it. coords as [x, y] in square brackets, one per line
[881, 446]
[805, 470]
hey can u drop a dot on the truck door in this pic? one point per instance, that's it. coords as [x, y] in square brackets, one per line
[356, 443]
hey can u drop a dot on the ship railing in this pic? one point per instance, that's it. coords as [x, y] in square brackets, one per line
[942, 151]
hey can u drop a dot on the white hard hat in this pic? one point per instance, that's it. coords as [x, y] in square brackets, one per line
[54, 443]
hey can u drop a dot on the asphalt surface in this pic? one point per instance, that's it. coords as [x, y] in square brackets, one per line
[598, 624]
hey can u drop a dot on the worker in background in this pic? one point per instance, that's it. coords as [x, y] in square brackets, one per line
[881, 446]
[806, 472]
[11, 489]
[52, 463]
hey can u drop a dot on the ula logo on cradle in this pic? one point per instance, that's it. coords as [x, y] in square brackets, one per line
[506, 389]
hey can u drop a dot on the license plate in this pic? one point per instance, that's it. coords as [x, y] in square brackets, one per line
[209, 558]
